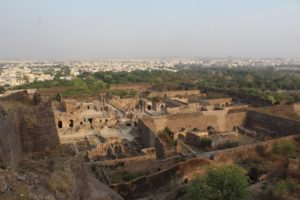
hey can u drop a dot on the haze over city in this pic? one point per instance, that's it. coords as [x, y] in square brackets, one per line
[61, 30]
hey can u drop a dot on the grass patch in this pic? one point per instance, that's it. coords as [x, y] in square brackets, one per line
[61, 181]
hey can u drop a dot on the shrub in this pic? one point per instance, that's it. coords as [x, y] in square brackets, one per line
[61, 181]
[2, 90]
[228, 182]
[283, 187]
[130, 176]
[264, 185]
[285, 148]
[166, 136]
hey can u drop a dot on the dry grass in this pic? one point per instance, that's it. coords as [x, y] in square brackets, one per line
[61, 181]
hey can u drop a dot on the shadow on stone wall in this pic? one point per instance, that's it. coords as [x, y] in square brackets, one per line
[180, 172]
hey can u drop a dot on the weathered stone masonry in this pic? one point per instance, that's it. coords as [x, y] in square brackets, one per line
[25, 128]
[280, 126]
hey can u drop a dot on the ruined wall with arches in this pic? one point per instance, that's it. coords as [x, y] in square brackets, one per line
[219, 120]
[75, 117]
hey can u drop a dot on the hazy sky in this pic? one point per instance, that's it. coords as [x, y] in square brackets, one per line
[89, 29]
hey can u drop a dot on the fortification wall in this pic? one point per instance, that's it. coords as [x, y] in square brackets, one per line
[17, 96]
[146, 134]
[220, 120]
[235, 118]
[235, 155]
[247, 98]
[183, 120]
[178, 172]
[218, 101]
[130, 86]
[288, 111]
[42, 133]
[25, 128]
[174, 93]
[279, 125]
[185, 109]
[125, 104]
[125, 161]
[10, 139]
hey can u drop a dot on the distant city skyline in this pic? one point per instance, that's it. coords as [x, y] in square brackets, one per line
[85, 30]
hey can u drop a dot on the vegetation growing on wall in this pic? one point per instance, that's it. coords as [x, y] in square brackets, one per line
[165, 136]
[286, 148]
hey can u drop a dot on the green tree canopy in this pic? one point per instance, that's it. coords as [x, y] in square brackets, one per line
[2, 90]
[227, 182]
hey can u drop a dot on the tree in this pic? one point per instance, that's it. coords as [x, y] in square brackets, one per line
[271, 98]
[2, 90]
[26, 78]
[227, 182]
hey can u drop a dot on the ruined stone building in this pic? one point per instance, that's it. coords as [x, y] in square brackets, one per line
[76, 117]
[141, 147]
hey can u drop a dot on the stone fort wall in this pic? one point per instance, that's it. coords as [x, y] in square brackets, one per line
[244, 97]
[130, 86]
[10, 139]
[179, 172]
[235, 155]
[220, 120]
[291, 111]
[281, 126]
[42, 134]
[125, 104]
[146, 134]
[174, 93]
[25, 128]
[284, 129]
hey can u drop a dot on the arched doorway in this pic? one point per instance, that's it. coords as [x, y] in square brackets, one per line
[71, 124]
[60, 124]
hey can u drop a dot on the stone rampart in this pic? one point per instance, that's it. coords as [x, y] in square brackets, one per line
[280, 126]
[126, 104]
[25, 128]
[146, 134]
[179, 172]
[247, 98]
[130, 86]
[235, 155]
[174, 93]
[220, 120]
